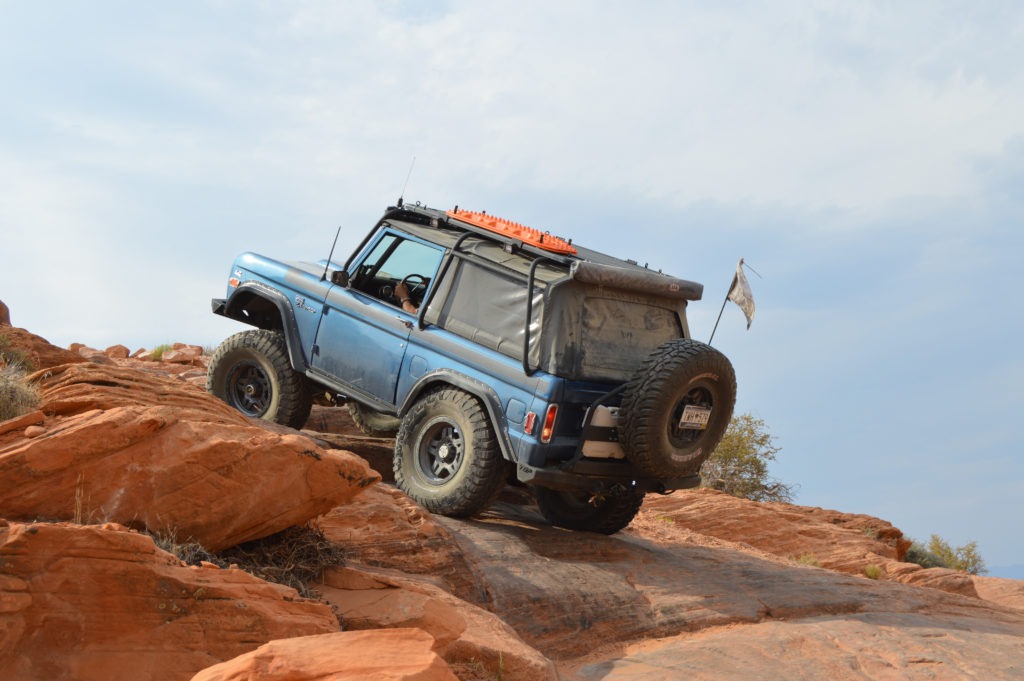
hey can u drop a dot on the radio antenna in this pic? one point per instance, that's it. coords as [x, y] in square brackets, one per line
[401, 196]
[331, 254]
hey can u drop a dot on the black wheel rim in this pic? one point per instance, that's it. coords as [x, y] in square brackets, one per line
[249, 389]
[699, 396]
[441, 451]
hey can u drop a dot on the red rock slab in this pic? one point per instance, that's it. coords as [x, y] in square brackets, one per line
[869, 647]
[20, 422]
[383, 527]
[40, 351]
[467, 637]
[386, 655]
[839, 541]
[215, 483]
[77, 388]
[102, 603]
[567, 593]
[845, 542]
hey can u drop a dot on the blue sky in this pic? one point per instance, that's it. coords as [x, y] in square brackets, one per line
[867, 159]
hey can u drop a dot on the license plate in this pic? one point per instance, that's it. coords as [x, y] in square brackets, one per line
[695, 418]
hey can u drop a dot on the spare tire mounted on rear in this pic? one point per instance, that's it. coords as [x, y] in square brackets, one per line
[676, 408]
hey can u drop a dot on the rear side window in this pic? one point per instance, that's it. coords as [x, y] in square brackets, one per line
[489, 308]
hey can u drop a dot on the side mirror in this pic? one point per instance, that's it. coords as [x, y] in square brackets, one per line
[339, 277]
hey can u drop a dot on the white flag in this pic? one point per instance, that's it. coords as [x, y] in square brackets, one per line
[741, 295]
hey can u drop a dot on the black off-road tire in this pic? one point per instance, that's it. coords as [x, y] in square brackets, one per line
[373, 423]
[680, 372]
[583, 511]
[251, 372]
[446, 455]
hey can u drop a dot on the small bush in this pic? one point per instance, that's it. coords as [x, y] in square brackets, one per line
[158, 352]
[17, 395]
[872, 571]
[809, 559]
[939, 553]
[919, 553]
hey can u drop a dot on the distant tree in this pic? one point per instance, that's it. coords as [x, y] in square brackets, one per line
[963, 558]
[739, 465]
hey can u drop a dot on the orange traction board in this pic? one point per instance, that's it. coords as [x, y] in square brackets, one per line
[527, 235]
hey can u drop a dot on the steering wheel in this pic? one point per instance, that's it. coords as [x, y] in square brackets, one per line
[416, 283]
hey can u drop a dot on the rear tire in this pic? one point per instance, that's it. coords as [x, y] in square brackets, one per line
[252, 373]
[680, 373]
[446, 455]
[586, 512]
[373, 423]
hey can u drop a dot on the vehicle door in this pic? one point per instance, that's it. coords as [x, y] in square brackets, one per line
[364, 332]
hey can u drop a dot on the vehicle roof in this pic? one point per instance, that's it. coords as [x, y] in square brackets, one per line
[439, 227]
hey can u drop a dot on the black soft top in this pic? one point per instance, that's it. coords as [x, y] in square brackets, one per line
[587, 266]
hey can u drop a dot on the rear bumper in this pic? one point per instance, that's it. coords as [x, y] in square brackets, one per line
[599, 476]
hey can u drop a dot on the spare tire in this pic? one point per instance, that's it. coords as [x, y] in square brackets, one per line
[676, 408]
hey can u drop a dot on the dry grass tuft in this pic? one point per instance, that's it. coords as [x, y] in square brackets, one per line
[294, 557]
[17, 395]
[11, 355]
[872, 571]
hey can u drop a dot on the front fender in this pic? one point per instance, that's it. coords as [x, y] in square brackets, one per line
[265, 307]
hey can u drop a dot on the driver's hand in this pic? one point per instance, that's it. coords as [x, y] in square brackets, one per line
[401, 291]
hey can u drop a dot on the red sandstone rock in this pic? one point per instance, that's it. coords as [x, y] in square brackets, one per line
[5, 314]
[466, 636]
[579, 599]
[19, 422]
[177, 460]
[101, 603]
[388, 655]
[92, 354]
[39, 351]
[838, 541]
[184, 355]
[903, 647]
[381, 519]
[845, 542]
[117, 352]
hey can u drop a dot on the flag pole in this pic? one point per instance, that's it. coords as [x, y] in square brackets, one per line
[723, 308]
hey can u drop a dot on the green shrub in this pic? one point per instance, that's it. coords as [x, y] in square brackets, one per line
[739, 465]
[919, 553]
[17, 395]
[939, 553]
[159, 350]
[872, 571]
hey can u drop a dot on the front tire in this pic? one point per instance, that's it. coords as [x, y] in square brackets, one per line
[446, 455]
[586, 512]
[251, 372]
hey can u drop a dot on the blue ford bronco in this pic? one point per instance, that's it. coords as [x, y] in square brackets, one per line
[493, 353]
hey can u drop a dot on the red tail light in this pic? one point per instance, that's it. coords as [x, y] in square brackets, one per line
[548, 431]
